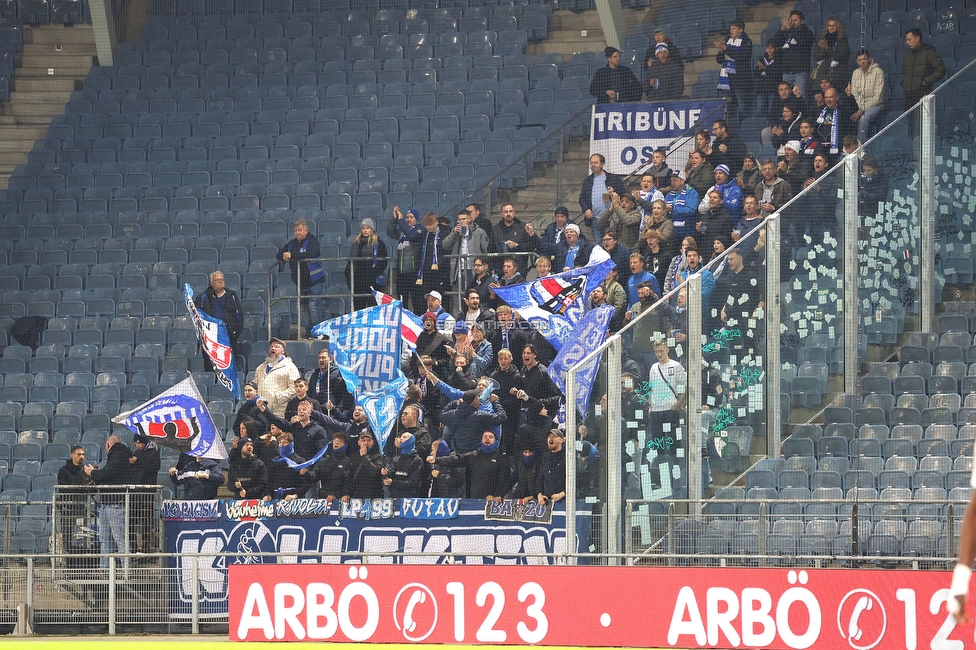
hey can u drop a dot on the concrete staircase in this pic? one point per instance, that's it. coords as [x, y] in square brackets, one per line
[56, 61]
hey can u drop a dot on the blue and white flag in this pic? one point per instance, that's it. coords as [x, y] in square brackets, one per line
[215, 341]
[554, 304]
[179, 419]
[366, 345]
[588, 335]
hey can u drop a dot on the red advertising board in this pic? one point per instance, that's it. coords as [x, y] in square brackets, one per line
[595, 606]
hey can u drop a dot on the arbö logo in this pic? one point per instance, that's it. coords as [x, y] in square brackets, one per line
[862, 619]
[415, 611]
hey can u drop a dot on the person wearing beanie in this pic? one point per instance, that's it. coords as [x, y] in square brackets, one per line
[331, 470]
[286, 480]
[525, 472]
[366, 268]
[248, 408]
[732, 195]
[199, 477]
[551, 475]
[615, 83]
[664, 77]
[364, 479]
[486, 468]
[144, 461]
[445, 482]
[406, 475]
[247, 475]
[408, 233]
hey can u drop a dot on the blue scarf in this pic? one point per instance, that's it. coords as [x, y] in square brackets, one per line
[487, 449]
[407, 446]
[728, 65]
[528, 460]
[285, 453]
[340, 450]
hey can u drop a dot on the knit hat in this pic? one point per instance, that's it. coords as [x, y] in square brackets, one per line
[140, 438]
[793, 144]
[415, 213]
[563, 210]
[431, 315]
[461, 327]
[724, 169]
[661, 46]
[470, 396]
[368, 222]
[573, 227]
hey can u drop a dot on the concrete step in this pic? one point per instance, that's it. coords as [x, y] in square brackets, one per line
[46, 84]
[40, 97]
[57, 34]
[24, 120]
[66, 49]
[29, 109]
[567, 20]
[22, 143]
[82, 63]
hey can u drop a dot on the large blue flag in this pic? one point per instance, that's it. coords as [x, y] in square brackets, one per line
[215, 342]
[588, 335]
[366, 345]
[554, 304]
[177, 418]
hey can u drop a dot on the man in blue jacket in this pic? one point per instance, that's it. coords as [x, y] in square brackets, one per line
[200, 478]
[682, 208]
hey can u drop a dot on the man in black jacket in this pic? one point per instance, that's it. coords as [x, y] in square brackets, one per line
[111, 515]
[145, 466]
[72, 506]
[200, 478]
[327, 387]
[248, 475]
[223, 304]
[485, 467]
[364, 479]
[407, 476]
[795, 40]
[551, 475]
[614, 82]
[332, 469]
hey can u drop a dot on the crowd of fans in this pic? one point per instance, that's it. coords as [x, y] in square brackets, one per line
[798, 71]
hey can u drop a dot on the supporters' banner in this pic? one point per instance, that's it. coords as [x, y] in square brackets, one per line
[410, 324]
[554, 304]
[588, 335]
[215, 341]
[366, 347]
[179, 419]
[627, 134]
[448, 531]
[687, 607]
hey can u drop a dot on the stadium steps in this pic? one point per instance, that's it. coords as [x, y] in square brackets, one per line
[56, 61]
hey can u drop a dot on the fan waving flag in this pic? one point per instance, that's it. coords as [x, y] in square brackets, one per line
[215, 341]
[410, 324]
[179, 419]
[366, 345]
[588, 335]
[554, 304]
